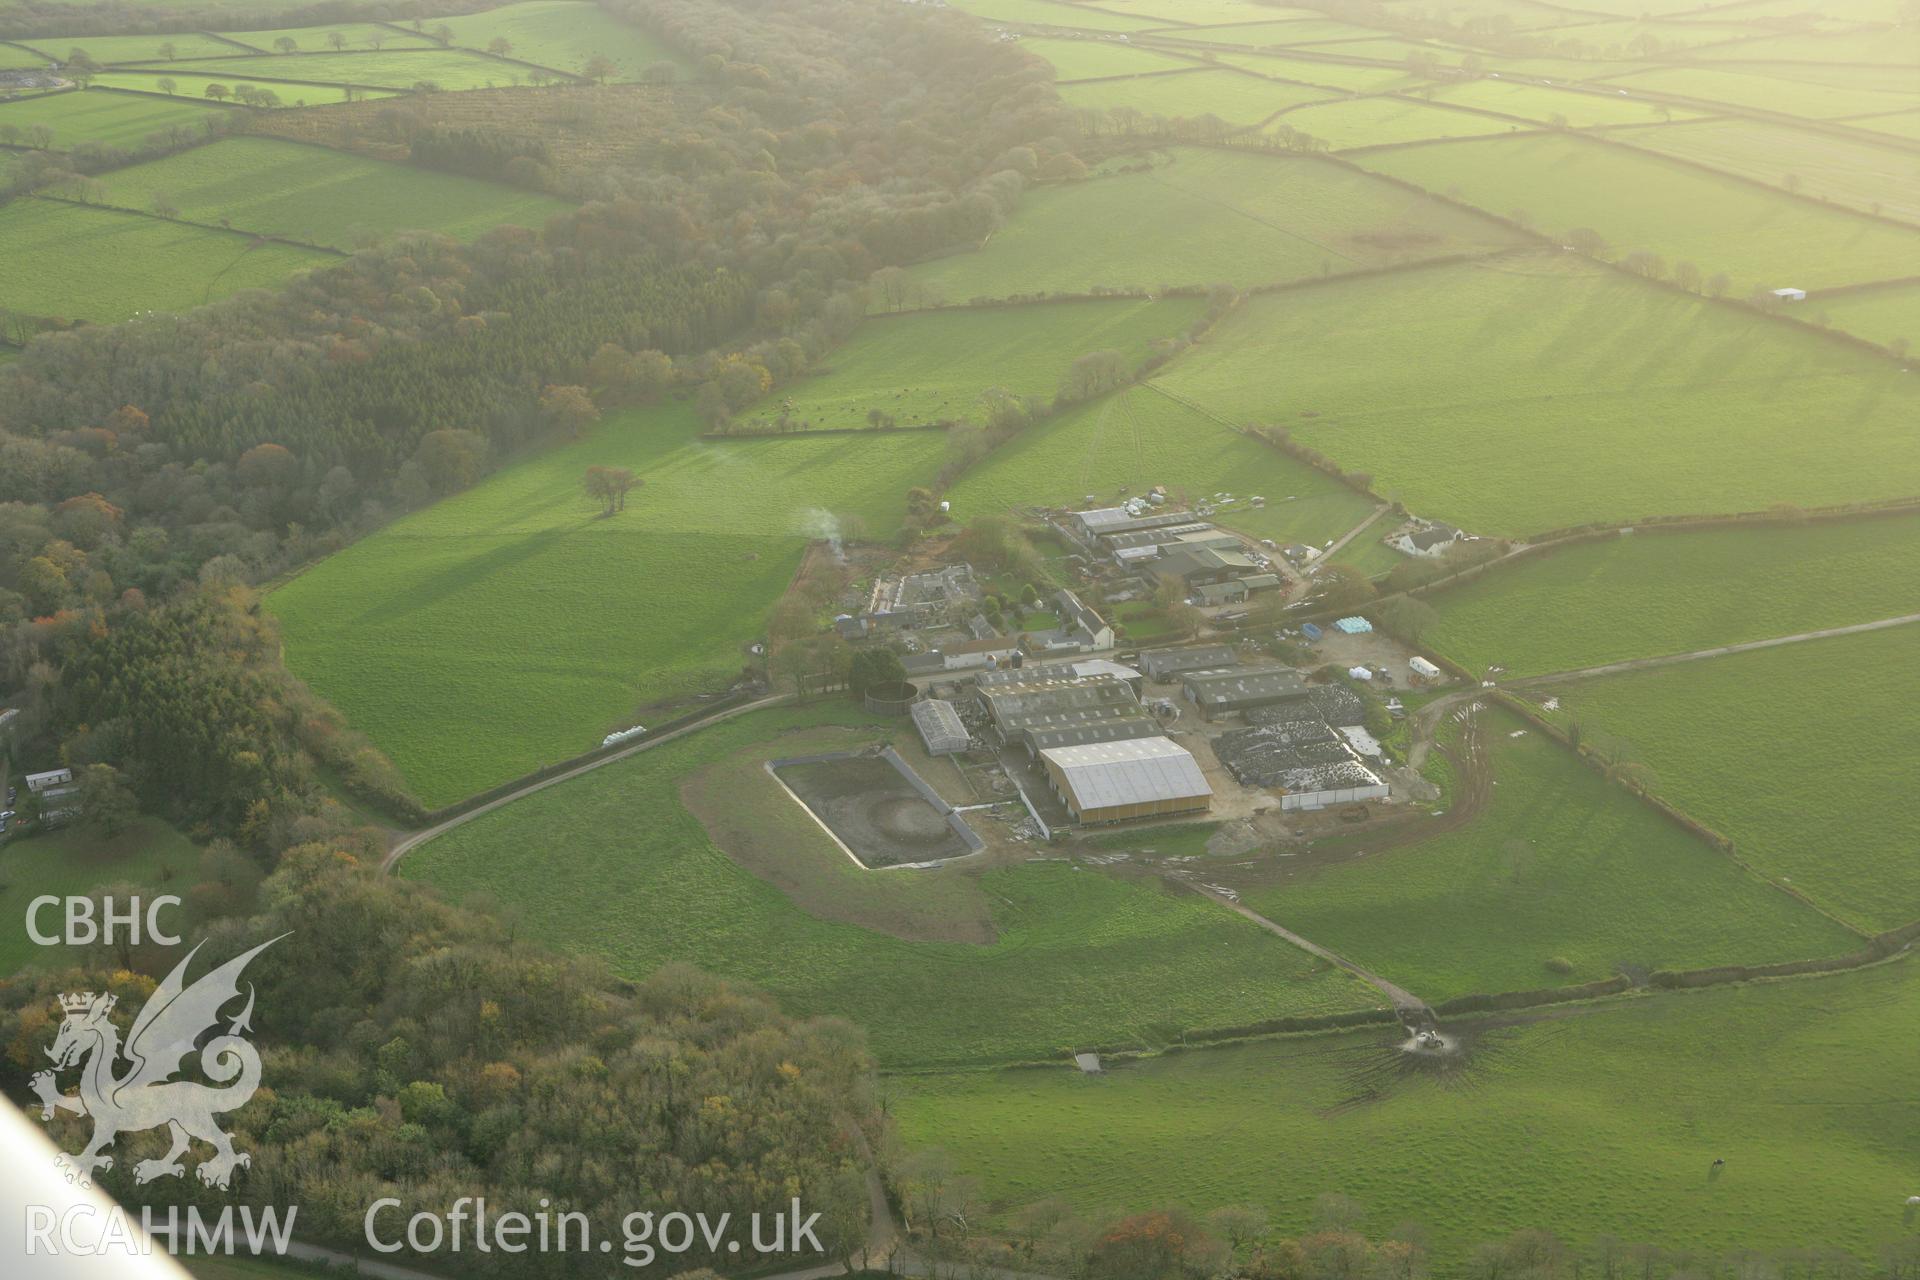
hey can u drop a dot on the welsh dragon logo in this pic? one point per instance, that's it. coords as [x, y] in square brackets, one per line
[144, 1094]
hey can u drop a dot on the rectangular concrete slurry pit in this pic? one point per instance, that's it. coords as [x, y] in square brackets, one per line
[880, 812]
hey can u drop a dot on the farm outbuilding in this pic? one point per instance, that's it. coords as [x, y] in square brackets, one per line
[1110, 729]
[1115, 781]
[1227, 690]
[1790, 295]
[1164, 664]
[940, 727]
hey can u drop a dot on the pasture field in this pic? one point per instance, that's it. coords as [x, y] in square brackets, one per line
[1207, 217]
[1801, 755]
[1139, 438]
[102, 265]
[613, 865]
[1538, 103]
[1639, 201]
[415, 631]
[1602, 1121]
[192, 86]
[74, 861]
[1233, 96]
[1760, 92]
[1384, 50]
[1203, 13]
[12, 56]
[1373, 122]
[1889, 80]
[1633, 39]
[353, 35]
[1660, 593]
[1859, 175]
[1333, 75]
[1889, 315]
[1519, 15]
[1537, 392]
[1268, 35]
[564, 35]
[147, 48]
[388, 69]
[1563, 878]
[112, 119]
[1896, 48]
[1048, 13]
[323, 197]
[1086, 59]
[1899, 124]
[925, 367]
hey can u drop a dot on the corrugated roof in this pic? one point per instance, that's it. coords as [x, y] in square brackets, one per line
[939, 725]
[1111, 729]
[1139, 771]
[1166, 662]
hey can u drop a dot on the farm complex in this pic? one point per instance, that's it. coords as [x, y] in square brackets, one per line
[1129, 639]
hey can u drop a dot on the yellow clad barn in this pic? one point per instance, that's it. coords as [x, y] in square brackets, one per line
[1139, 778]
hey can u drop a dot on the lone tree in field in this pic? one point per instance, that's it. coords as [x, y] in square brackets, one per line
[168, 51]
[286, 44]
[337, 40]
[499, 46]
[166, 85]
[218, 92]
[611, 486]
[599, 68]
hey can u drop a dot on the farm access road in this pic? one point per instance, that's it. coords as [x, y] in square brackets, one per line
[414, 840]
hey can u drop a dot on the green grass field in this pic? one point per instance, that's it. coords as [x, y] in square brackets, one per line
[113, 119]
[354, 35]
[324, 197]
[1206, 217]
[1374, 122]
[512, 626]
[1560, 866]
[103, 265]
[1800, 754]
[612, 865]
[1542, 104]
[928, 367]
[75, 861]
[387, 69]
[1794, 97]
[1203, 12]
[1232, 96]
[1139, 438]
[1644, 202]
[1656, 593]
[1859, 175]
[1625, 39]
[143, 48]
[563, 35]
[192, 86]
[1265, 35]
[1085, 59]
[1334, 75]
[1600, 1122]
[1898, 48]
[1047, 13]
[1899, 124]
[1887, 315]
[1540, 392]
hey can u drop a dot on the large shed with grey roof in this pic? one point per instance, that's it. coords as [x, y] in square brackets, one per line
[1138, 778]
[1224, 691]
[1164, 664]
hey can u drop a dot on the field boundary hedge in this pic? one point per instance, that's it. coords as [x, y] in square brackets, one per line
[1679, 817]
[188, 222]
